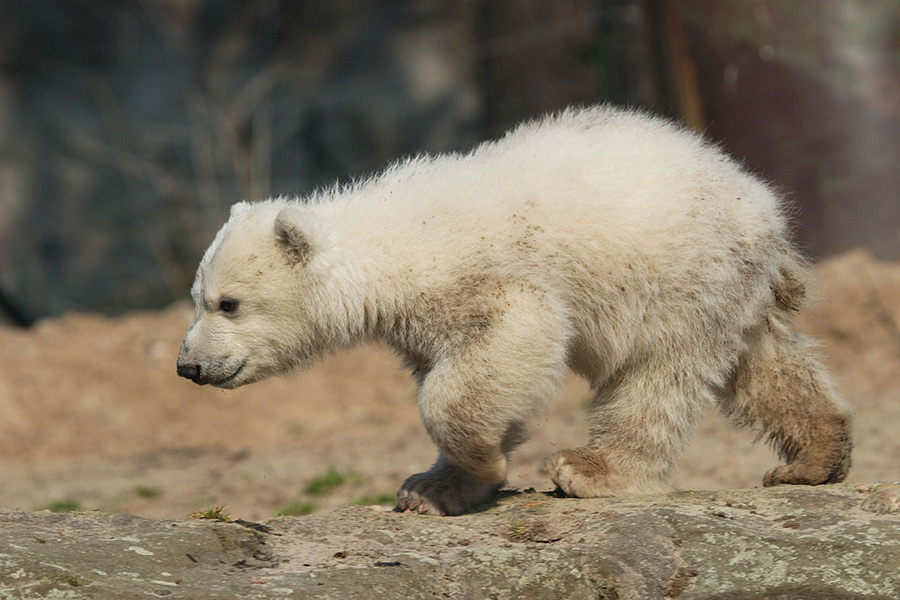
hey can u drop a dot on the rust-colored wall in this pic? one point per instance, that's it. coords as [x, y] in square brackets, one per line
[807, 94]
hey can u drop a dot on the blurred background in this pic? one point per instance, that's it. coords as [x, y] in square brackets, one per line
[127, 128]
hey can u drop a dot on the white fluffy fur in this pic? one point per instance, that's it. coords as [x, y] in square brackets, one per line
[598, 240]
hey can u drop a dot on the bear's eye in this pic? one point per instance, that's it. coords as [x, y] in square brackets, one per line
[228, 305]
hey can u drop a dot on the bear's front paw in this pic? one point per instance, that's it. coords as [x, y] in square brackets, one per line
[579, 472]
[444, 490]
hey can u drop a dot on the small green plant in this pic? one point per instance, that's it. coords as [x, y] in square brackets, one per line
[63, 505]
[297, 508]
[215, 513]
[72, 580]
[529, 531]
[323, 484]
[516, 527]
[369, 500]
[517, 531]
[147, 492]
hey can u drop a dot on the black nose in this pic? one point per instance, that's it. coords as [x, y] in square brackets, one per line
[191, 372]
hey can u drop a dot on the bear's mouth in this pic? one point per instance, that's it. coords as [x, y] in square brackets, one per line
[228, 382]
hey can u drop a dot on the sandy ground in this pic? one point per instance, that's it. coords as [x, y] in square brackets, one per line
[92, 413]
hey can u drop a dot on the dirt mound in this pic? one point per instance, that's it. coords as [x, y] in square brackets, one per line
[92, 413]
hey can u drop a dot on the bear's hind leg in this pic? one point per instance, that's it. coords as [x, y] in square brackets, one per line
[780, 387]
[640, 425]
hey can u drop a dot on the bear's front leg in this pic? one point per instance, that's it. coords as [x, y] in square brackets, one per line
[445, 489]
[473, 432]
[476, 399]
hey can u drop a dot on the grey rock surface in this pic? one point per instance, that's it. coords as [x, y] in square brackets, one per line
[784, 542]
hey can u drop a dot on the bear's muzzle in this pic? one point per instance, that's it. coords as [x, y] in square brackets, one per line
[191, 372]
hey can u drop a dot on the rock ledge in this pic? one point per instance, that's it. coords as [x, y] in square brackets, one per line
[783, 542]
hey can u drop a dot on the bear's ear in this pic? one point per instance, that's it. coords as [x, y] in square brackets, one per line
[237, 208]
[300, 235]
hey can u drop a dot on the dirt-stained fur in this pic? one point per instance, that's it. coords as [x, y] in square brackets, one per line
[602, 241]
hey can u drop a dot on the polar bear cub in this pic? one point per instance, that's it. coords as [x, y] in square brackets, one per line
[603, 241]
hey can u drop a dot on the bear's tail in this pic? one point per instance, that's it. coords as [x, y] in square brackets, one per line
[791, 287]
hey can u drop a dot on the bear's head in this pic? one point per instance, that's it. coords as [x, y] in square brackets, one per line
[258, 295]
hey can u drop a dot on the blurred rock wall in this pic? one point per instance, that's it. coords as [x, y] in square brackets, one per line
[127, 129]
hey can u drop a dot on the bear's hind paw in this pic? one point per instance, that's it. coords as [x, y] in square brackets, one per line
[799, 473]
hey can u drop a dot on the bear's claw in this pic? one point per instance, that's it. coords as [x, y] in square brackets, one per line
[443, 490]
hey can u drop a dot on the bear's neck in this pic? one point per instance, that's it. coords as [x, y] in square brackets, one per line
[377, 294]
[393, 265]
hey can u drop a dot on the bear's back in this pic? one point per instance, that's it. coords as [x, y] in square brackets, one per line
[597, 185]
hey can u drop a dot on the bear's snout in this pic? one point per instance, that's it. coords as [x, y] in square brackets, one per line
[191, 372]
